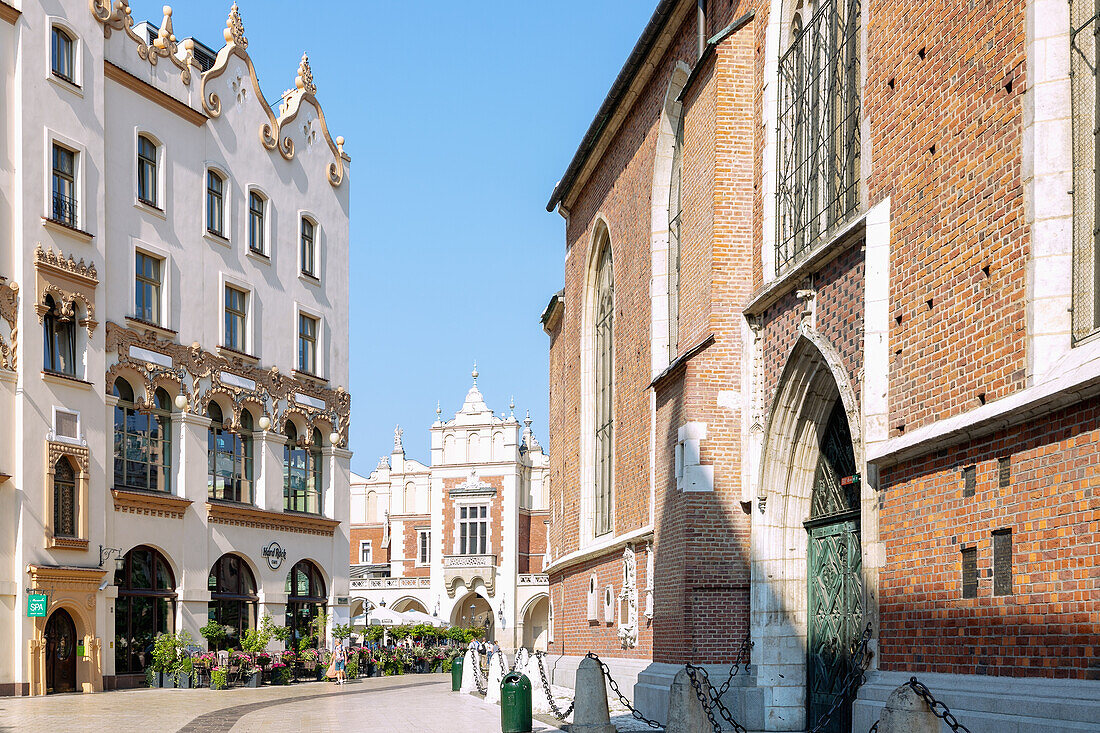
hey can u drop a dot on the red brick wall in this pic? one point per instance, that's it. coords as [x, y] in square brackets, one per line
[532, 540]
[1048, 627]
[372, 532]
[450, 514]
[955, 209]
[412, 549]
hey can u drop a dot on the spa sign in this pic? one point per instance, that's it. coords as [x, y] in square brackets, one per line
[275, 555]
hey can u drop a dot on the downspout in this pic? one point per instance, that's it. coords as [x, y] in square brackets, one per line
[701, 23]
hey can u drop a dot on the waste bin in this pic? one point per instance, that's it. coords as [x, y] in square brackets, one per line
[515, 703]
[456, 674]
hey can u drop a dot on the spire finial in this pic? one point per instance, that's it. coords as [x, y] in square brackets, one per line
[234, 29]
[474, 373]
[527, 420]
[304, 79]
[438, 410]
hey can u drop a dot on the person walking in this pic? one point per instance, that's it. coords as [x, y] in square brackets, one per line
[340, 657]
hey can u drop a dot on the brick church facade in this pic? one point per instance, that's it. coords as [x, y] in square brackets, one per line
[826, 359]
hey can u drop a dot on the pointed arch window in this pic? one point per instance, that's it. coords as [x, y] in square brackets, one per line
[675, 213]
[64, 499]
[605, 365]
[59, 339]
[302, 471]
[143, 441]
[230, 457]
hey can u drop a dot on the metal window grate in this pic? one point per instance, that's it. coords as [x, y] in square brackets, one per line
[819, 78]
[1004, 472]
[1002, 562]
[970, 481]
[970, 572]
[1083, 81]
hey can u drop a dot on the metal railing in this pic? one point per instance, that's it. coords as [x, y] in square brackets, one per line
[469, 561]
[64, 210]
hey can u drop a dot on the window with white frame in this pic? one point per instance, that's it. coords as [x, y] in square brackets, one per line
[307, 344]
[64, 208]
[147, 151]
[257, 214]
[236, 319]
[62, 54]
[424, 546]
[309, 248]
[148, 271]
[473, 529]
[365, 556]
[215, 203]
[604, 375]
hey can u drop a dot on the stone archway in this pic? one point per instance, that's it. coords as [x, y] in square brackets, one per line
[475, 610]
[806, 550]
[536, 623]
[408, 604]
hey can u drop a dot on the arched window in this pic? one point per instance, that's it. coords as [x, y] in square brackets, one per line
[605, 383]
[306, 598]
[215, 203]
[61, 55]
[64, 499]
[302, 472]
[674, 221]
[372, 507]
[410, 498]
[232, 596]
[230, 457]
[59, 339]
[143, 441]
[147, 170]
[145, 607]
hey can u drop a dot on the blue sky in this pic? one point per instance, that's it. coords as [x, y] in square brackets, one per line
[459, 118]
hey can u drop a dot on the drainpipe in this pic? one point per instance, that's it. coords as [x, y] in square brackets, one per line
[701, 22]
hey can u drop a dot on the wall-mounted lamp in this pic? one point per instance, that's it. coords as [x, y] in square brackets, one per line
[106, 552]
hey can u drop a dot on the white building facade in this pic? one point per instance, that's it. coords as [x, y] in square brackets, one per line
[173, 345]
[462, 538]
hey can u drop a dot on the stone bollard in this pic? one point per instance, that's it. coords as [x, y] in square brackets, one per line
[590, 714]
[532, 671]
[906, 712]
[685, 712]
[492, 690]
[468, 683]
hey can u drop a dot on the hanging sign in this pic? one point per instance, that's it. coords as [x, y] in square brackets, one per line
[36, 605]
[849, 480]
[275, 555]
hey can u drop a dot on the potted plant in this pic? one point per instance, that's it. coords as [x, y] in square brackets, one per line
[352, 666]
[219, 678]
[280, 673]
[215, 634]
[185, 673]
[164, 659]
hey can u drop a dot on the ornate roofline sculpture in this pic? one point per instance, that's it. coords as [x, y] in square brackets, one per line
[305, 91]
[117, 15]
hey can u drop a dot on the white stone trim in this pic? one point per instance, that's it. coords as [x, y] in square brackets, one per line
[604, 545]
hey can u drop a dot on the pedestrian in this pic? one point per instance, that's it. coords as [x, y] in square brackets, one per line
[340, 657]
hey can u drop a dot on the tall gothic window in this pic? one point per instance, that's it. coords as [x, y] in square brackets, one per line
[233, 597]
[144, 608]
[59, 339]
[1086, 166]
[230, 457]
[605, 384]
[819, 81]
[674, 222]
[302, 471]
[143, 441]
[64, 499]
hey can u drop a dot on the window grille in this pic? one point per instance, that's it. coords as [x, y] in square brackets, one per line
[64, 498]
[1004, 472]
[64, 186]
[675, 216]
[818, 181]
[970, 572]
[605, 358]
[970, 481]
[1083, 81]
[1002, 562]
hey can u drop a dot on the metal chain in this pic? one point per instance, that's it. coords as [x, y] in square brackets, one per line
[500, 659]
[482, 685]
[856, 677]
[938, 708]
[709, 701]
[742, 656]
[558, 712]
[873, 728]
[615, 688]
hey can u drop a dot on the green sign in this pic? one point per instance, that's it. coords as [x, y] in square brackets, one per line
[36, 605]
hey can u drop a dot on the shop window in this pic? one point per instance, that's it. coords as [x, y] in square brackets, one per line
[233, 597]
[145, 607]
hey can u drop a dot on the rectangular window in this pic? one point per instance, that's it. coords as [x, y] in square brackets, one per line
[147, 288]
[256, 206]
[308, 250]
[970, 481]
[473, 530]
[1002, 562]
[307, 344]
[215, 204]
[819, 141]
[424, 547]
[1084, 83]
[147, 171]
[1004, 472]
[61, 55]
[236, 318]
[970, 572]
[64, 186]
[364, 552]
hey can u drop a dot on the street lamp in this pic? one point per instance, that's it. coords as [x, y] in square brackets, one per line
[106, 552]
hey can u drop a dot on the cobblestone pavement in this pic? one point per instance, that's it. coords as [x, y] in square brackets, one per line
[376, 705]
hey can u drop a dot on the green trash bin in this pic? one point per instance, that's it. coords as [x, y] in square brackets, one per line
[456, 673]
[515, 703]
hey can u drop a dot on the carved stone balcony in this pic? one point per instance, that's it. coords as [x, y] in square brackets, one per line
[469, 569]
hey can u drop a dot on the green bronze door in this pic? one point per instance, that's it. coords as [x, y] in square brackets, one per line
[834, 564]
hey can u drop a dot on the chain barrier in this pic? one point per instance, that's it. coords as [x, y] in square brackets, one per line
[500, 659]
[558, 712]
[709, 701]
[615, 688]
[482, 685]
[938, 708]
[861, 658]
[742, 657]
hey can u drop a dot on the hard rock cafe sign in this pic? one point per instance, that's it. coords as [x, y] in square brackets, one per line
[275, 555]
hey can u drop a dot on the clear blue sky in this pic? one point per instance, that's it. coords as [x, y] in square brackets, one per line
[459, 118]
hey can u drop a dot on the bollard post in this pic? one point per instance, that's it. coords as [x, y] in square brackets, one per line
[685, 712]
[492, 689]
[468, 683]
[532, 672]
[906, 712]
[590, 714]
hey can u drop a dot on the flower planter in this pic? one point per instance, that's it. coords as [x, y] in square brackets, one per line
[215, 685]
[253, 680]
[182, 680]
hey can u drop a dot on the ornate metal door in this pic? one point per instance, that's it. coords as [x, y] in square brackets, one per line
[834, 572]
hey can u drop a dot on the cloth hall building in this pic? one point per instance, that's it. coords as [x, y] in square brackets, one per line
[173, 345]
[462, 538]
[826, 361]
